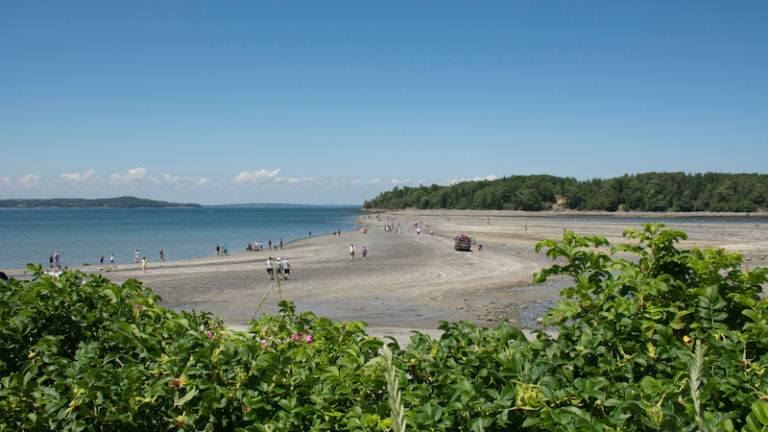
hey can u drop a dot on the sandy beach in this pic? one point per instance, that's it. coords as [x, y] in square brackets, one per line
[414, 280]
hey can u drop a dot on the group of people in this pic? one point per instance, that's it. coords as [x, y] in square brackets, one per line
[112, 258]
[258, 245]
[364, 251]
[143, 259]
[281, 267]
[54, 260]
[393, 229]
[136, 259]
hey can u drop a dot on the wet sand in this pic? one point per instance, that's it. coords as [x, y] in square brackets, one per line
[409, 280]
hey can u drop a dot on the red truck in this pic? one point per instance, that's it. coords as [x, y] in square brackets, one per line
[463, 243]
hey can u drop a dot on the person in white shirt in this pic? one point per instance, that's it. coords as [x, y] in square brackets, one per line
[286, 267]
[269, 268]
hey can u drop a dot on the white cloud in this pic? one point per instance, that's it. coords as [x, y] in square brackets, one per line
[29, 180]
[172, 179]
[460, 180]
[76, 177]
[406, 181]
[179, 181]
[259, 176]
[131, 175]
[294, 180]
[358, 182]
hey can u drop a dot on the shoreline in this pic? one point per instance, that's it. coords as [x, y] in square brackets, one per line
[409, 281]
[585, 213]
[704, 217]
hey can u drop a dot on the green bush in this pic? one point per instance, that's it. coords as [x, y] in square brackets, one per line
[651, 337]
[81, 353]
[624, 358]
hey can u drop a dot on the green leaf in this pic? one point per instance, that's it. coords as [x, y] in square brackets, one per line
[186, 398]
[108, 293]
[760, 410]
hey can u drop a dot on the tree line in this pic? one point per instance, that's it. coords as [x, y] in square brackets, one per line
[657, 192]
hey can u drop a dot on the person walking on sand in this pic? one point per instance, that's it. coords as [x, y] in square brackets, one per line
[56, 259]
[144, 264]
[351, 251]
[112, 259]
[162, 255]
[364, 251]
[136, 256]
[286, 267]
[269, 268]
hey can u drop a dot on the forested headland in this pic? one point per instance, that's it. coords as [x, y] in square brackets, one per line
[120, 202]
[655, 192]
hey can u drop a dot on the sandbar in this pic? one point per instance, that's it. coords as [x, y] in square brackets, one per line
[415, 280]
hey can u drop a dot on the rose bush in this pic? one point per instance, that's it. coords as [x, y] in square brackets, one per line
[624, 358]
[81, 353]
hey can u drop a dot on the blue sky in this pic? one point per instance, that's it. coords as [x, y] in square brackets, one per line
[334, 102]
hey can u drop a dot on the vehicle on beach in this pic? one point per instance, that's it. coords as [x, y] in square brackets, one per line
[463, 243]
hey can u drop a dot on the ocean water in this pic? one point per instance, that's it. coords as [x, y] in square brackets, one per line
[85, 235]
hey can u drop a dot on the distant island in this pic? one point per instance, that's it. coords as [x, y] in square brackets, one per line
[120, 202]
[647, 192]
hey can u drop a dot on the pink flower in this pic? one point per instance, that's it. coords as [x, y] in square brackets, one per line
[209, 333]
[309, 339]
[279, 341]
[295, 337]
[263, 342]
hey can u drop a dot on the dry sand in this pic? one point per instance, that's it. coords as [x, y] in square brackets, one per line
[414, 281]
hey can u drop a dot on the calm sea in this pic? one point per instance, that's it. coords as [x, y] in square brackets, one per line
[85, 235]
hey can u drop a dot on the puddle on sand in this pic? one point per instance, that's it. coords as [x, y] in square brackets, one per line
[525, 312]
[378, 311]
